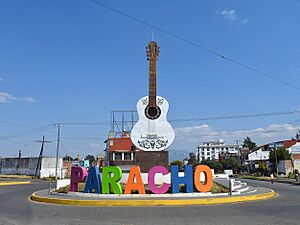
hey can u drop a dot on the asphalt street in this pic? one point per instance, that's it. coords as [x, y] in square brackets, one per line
[15, 208]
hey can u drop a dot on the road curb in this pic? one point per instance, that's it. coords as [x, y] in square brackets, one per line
[154, 202]
[269, 180]
[14, 183]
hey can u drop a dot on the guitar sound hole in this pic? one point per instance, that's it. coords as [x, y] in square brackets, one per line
[152, 113]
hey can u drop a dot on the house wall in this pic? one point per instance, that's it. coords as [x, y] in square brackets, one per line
[296, 161]
[285, 166]
[48, 167]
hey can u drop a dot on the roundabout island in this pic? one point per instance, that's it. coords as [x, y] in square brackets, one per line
[156, 188]
[149, 200]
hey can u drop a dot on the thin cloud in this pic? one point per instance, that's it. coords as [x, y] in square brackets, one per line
[94, 145]
[244, 21]
[6, 98]
[229, 14]
[187, 138]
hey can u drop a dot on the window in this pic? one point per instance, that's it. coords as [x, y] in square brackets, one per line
[127, 156]
[118, 156]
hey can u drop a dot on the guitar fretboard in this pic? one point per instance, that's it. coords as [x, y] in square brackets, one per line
[152, 82]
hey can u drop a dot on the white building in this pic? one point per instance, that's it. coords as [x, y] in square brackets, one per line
[213, 149]
[259, 155]
[295, 151]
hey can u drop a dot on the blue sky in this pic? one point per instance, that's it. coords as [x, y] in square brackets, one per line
[75, 61]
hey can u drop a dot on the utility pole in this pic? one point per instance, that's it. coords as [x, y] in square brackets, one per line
[57, 148]
[18, 165]
[239, 150]
[39, 163]
[276, 160]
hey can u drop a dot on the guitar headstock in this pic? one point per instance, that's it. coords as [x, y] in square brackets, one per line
[152, 51]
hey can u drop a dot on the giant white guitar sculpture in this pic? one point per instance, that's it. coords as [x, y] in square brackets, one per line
[152, 132]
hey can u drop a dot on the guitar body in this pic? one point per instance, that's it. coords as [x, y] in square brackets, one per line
[155, 134]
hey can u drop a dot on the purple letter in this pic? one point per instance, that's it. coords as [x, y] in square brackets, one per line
[151, 183]
[78, 174]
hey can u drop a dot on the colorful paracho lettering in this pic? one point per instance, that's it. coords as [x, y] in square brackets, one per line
[111, 176]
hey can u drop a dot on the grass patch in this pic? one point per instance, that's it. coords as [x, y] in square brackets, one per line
[217, 188]
[8, 176]
[48, 178]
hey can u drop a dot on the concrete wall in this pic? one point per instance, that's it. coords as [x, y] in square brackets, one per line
[24, 166]
[27, 166]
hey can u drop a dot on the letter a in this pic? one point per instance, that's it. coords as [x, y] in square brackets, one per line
[93, 181]
[130, 185]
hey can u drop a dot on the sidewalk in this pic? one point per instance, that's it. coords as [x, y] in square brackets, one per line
[263, 178]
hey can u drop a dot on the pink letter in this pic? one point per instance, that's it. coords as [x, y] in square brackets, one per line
[78, 174]
[151, 183]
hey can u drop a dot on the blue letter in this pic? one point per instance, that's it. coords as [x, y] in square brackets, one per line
[187, 180]
[93, 181]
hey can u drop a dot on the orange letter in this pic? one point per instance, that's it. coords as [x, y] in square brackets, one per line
[130, 185]
[208, 178]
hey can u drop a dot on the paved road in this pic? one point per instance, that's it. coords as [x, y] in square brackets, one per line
[285, 209]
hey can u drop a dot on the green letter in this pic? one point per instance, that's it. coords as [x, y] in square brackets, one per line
[110, 178]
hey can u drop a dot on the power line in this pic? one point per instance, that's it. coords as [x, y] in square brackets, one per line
[27, 132]
[243, 116]
[85, 123]
[210, 51]
[221, 117]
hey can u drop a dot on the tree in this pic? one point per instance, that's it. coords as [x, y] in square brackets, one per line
[68, 158]
[213, 164]
[178, 163]
[91, 159]
[192, 159]
[248, 143]
[231, 163]
[281, 153]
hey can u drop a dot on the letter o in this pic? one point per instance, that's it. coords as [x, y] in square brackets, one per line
[208, 178]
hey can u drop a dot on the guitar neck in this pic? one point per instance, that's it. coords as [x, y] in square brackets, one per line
[152, 82]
